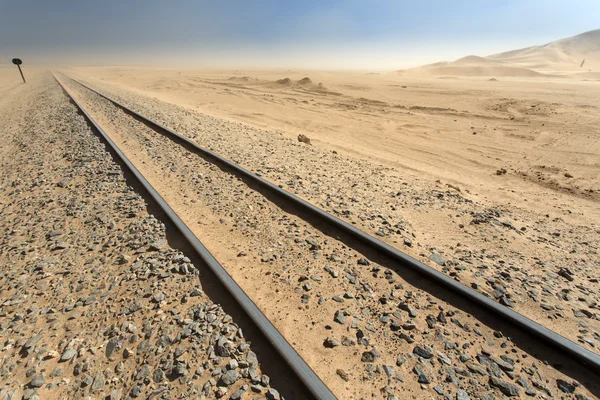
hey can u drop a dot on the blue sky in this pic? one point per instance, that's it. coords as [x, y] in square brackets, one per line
[376, 34]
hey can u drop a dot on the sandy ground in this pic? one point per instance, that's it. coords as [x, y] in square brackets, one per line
[519, 154]
[460, 131]
[433, 202]
[95, 303]
[416, 162]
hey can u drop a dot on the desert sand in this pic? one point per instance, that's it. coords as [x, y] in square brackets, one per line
[485, 168]
[458, 128]
[575, 57]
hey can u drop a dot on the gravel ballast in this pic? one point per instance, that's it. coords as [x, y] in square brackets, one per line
[94, 301]
[365, 329]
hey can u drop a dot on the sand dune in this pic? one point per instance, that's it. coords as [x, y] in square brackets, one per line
[569, 57]
[472, 70]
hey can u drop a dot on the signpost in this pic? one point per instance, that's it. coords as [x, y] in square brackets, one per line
[18, 62]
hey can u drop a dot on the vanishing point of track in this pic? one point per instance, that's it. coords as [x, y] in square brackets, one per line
[535, 330]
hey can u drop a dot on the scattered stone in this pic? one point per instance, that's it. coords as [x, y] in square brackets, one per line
[424, 352]
[342, 374]
[229, 378]
[273, 394]
[68, 354]
[566, 273]
[438, 259]
[421, 376]
[339, 317]
[303, 138]
[506, 388]
[565, 386]
[37, 381]
[462, 395]
[369, 356]
[99, 382]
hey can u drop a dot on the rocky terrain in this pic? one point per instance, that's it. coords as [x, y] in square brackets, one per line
[367, 328]
[94, 302]
[541, 264]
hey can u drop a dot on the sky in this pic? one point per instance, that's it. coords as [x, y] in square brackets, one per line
[313, 34]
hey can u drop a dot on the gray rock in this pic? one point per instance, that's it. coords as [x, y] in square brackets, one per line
[111, 346]
[331, 342]
[222, 348]
[136, 391]
[180, 369]
[506, 302]
[265, 380]
[158, 375]
[402, 358]
[565, 386]
[252, 359]
[566, 273]
[237, 395]
[504, 364]
[37, 381]
[68, 354]
[476, 369]
[229, 378]
[438, 259]
[506, 388]
[421, 375]
[424, 352]
[430, 319]
[339, 317]
[369, 356]
[158, 297]
[389, 370]
[273, 394]
[143, 372]
[87, 381]
[442, 317]
[462, 395]
[99, 381]
[30, 344]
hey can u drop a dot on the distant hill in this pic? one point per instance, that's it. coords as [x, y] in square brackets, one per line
[577, 56]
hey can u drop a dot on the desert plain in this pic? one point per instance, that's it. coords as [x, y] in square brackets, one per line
[485, 168]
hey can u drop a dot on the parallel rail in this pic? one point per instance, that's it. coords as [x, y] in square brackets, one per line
[537, 331]
[305, 374]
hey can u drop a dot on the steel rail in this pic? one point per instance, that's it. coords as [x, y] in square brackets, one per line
[552, 338]
[306, 375]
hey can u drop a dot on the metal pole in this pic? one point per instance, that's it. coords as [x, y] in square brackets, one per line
[18, 66]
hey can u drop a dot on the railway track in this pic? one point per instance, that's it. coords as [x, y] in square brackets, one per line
[536, 332]
[303, 373]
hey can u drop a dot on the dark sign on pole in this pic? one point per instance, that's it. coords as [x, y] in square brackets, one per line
[18, 62]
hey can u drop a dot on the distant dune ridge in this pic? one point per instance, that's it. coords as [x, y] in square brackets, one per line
[576, 56]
